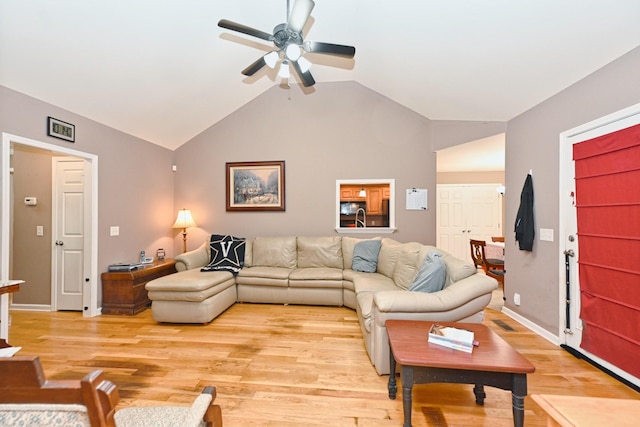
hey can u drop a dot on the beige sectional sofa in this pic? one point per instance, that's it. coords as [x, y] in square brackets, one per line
[318, 271]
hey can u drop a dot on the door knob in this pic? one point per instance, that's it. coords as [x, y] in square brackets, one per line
[59, 243]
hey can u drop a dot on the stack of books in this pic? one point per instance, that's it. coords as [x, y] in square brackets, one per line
[457, 339]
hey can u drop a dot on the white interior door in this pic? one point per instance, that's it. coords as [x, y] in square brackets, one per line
[469, 211]
[69, 233]
[451, 220]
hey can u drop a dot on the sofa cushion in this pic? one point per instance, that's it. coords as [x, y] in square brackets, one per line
[457, 269]
[432, 275]
[365, 256]
[320, 252]
[227, 253]
[266, 272]
[372, 282]
[188, 281]
[316, 273]
[405, 269]
[348, 245]
[390, 251]
[248, 253]
[275, 252]
[193, 296]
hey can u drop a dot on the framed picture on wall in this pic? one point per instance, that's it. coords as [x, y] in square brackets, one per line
[255, 186]
[59, 129]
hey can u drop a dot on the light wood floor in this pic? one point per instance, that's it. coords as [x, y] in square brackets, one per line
[284, 366]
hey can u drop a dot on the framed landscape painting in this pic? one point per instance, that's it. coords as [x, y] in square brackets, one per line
[255, 186]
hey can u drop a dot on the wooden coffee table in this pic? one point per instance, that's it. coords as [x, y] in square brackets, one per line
[493, 363]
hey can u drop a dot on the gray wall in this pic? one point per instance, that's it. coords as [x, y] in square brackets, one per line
[533, 144]
[135, 181]
[341, 131]
[31, 255]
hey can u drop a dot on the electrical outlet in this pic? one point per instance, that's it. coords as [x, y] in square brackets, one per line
[114, 230]
[516, 299]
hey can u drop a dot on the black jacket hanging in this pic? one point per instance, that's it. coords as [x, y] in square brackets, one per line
[524, 228]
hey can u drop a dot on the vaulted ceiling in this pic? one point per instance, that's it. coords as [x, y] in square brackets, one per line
[164, 71]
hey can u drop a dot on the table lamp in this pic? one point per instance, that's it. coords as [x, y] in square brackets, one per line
[184, 220]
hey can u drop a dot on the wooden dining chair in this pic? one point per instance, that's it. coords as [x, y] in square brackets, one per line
[497, 239]
[492, 267]
[27, 398]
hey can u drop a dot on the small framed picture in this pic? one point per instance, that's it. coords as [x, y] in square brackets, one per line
[255, 186]
[59, 129]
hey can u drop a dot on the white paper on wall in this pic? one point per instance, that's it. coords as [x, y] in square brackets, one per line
[416, 199]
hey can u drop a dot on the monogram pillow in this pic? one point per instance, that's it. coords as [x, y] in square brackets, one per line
[227, 253]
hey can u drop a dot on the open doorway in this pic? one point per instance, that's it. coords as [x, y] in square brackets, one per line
[473, 173]
[88, 270]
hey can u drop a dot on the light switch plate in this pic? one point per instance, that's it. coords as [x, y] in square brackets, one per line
[114, 230]
[39, 230]
[546, 234]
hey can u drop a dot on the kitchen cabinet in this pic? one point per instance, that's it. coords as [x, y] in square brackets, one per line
[351, 192]
[374, 201]
[374, 197]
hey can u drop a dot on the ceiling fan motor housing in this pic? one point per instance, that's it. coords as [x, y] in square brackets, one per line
[284, 36]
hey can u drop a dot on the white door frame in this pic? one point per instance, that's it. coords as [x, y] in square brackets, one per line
[567, 226]
[90, 297]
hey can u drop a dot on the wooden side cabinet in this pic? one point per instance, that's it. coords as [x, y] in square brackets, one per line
[124, 292]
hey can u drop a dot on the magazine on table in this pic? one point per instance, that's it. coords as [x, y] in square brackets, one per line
[457, 339]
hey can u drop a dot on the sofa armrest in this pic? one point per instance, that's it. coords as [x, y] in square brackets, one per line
[454, 295]
[196, 258]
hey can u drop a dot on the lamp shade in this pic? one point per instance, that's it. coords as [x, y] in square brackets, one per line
[184, 220]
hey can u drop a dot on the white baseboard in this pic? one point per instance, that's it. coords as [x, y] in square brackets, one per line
[554, 339]
[30, 307]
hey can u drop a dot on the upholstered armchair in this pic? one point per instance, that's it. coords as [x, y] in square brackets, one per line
[27, 399]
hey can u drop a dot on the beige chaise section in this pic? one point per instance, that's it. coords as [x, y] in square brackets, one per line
[317, 271]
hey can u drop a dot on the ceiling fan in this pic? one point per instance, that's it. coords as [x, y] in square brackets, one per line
[290, 44]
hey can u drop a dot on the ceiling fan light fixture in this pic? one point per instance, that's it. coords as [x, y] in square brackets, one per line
[292, 52]
[271, 59]
[284, 71]
[304, 63]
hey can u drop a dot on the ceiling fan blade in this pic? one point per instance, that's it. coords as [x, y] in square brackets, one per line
[255, 67]
[300, 14]
[233, 26]
[330, 48]
[306, 77]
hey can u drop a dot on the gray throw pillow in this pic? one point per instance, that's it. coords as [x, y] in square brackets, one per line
[365, 256]
[432, 274]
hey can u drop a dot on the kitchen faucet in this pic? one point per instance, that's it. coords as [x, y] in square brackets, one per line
[362, 223]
